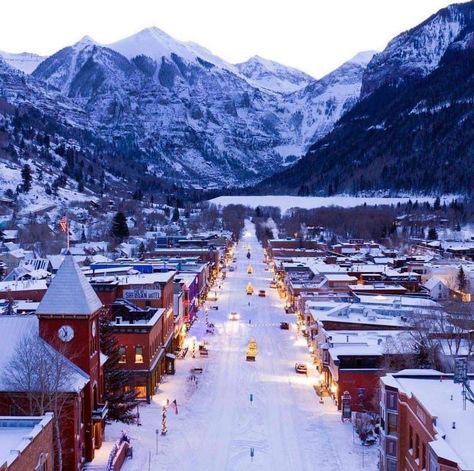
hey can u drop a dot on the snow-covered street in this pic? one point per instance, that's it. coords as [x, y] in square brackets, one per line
[218, 425]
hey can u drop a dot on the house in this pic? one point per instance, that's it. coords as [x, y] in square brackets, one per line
[436, 289]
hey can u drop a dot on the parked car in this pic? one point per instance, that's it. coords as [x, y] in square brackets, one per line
[301, 368]
[231, 268]
[234, 316]
[262, 293]
[284, 326]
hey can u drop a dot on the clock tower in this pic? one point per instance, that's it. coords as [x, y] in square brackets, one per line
[69, 321]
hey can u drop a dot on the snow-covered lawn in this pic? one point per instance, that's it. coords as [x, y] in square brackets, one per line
[309, 202]
[217, 424]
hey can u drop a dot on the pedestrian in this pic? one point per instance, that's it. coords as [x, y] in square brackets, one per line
[250, 321]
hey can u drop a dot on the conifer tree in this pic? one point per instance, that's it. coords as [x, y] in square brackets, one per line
[26, 177]
[432, 234]
[119, 228]
[462, 279]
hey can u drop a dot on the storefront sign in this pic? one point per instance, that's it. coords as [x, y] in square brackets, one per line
[142, 292]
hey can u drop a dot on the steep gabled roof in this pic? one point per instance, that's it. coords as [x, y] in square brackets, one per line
[70, 292]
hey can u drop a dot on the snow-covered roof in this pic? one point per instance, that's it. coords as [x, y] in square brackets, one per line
[14, 329]
[69, 292]
[17, 433]
[443, 400]
[432, 283]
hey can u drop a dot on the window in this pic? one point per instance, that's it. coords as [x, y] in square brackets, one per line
[41, 465]
[392, 424]
[123, 354]
[391, 448]
[417, 446]
[391, 465]
[410, 438]
[391, 400]
[433, 463]
[423, 456]
[138, 354]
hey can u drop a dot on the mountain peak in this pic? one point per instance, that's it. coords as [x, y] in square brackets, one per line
[85, 41]
[151, 42]
[24, 61]
[272, 75]
[363, 57]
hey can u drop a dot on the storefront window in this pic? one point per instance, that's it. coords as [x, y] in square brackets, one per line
[139, 354]
[140, 391]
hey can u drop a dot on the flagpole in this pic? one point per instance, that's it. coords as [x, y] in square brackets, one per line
[67, 231]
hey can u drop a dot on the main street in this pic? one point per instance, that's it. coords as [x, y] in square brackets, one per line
[218, 426]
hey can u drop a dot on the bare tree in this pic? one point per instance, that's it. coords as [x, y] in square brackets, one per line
[456, 325]
[41, 378]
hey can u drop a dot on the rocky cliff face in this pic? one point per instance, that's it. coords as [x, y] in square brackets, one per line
[413, 128]
[417, 52]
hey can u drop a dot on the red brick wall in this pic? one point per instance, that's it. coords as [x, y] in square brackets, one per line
[41, 444]
[69, 424]
[35, 295]
[151, 341]
[352, 380]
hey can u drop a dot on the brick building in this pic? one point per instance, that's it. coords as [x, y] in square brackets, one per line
[145, 337]
[425, 424]
[26, 443]
[67, 321]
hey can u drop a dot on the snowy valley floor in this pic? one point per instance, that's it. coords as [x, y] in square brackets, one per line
[217, 425]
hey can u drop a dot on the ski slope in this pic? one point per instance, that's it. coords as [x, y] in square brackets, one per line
[217, 425]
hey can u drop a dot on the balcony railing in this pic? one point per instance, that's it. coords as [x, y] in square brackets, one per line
[100, 412]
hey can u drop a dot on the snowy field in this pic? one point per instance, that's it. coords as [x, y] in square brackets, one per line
[217, 425]
[310, 202]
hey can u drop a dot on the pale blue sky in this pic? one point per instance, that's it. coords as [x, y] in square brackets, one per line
[312, 35]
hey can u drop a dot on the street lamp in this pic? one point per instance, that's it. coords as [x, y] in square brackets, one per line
[163, 418]
[138, 415]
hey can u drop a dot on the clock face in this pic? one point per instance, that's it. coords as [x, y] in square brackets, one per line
[94, 328]
[66, 333]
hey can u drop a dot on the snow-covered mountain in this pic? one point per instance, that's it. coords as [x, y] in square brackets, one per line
[413, 129]
[24, 61]
[194, 117]
[319, 105]
[264, 73]
[418, 51]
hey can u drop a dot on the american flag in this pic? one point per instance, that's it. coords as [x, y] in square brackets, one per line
[63, 226]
